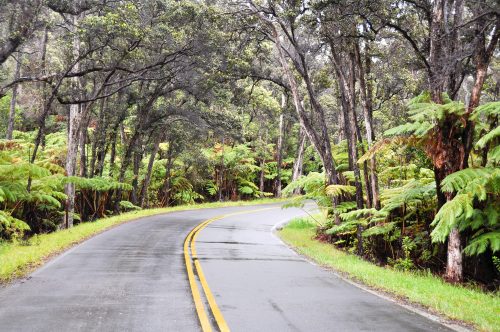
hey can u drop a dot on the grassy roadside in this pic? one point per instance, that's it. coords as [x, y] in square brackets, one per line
[469, 305]
[20, 258]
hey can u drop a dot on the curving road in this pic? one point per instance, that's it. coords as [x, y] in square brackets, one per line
[133, 278]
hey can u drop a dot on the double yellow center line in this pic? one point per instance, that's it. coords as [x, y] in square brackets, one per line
[191, 260]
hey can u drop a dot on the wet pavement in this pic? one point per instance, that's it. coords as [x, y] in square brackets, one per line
[133, 278]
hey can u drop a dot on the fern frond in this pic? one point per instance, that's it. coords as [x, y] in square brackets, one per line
[480, 244]
[335, 190]
[494, 155]
[346, 227]
[380, 229]
[488, 138]
[458, 181]
[358, 214]
[488, 109]
[450, 214]
[344, 207]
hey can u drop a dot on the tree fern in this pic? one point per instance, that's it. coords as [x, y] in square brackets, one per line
[471, 185]
[479, 244]
[451, 213]
[487, 109]
[336, 190]
[462, 180]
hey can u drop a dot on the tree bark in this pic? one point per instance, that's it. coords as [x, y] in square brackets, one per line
[112, 157]
[134, 198]
[70, 168]
[165, 199]
[482, 59]
[13, 101]
[299, 159]
[321, 141]
[279, 148]
[221, 172]
[261, 176]
[454, 268]
[83, 145]
[366, 101]
[99, 138]
[147, 177]
[346, 81]
[75, 115]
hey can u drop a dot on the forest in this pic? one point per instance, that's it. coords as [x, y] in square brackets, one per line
[385, 113]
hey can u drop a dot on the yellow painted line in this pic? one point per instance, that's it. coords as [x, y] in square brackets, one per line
[198, 303]
[200, 308]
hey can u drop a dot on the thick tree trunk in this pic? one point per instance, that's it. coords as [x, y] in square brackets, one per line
[279, 148]
[71, 157]
[74, 120]
[454, 268]
[13, 101]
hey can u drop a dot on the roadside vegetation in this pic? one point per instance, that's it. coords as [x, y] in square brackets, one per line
[468, 303]
[385, 113]
[19, 258]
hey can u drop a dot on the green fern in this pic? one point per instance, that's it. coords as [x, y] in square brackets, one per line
[488, 138]
[464, 180]
[488, 109]
[451, 213]
[481, 243]
[336, 190]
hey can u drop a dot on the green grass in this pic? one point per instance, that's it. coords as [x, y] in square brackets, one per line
[456, 302]
[20, 258]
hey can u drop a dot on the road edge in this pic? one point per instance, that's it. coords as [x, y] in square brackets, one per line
[410, 306]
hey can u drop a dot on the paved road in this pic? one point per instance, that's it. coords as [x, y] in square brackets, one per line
[133, 278]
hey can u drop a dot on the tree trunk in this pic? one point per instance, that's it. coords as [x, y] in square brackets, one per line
[166, 184]
[221, 172]
[75, 115]
[261, 177]
[279, 148]
[299, 160]
[147, 178]
[83, 146]
[321, 141]
[346, 82]
[13, 101]
[482, 59]
[112, 156]
[134, 198]
[71, 157]
[99, 138]
[454, 268]
[366, 101]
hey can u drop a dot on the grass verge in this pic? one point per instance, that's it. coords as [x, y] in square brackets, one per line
[471, 306]
[17, 259]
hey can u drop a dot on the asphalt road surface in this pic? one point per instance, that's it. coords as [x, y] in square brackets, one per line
[133, 278]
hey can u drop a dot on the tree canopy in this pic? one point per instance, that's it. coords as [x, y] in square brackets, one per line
[385, 113]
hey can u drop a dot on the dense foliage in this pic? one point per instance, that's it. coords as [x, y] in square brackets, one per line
[385, 113]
